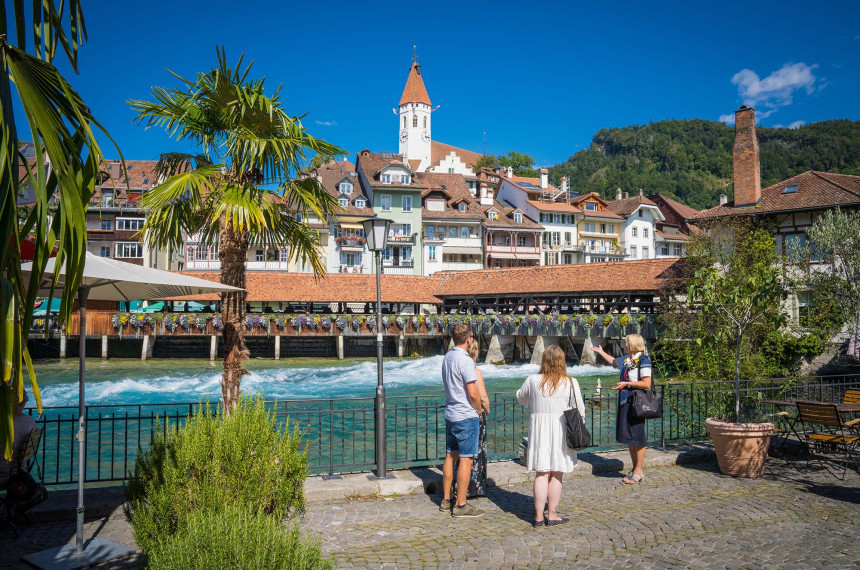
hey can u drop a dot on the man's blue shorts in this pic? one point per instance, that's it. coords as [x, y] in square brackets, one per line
[462, 437]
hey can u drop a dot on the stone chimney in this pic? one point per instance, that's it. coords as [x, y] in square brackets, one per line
[626, 195]
[544, 177]
[115, 170]
[641, 194]
[618, 194]
[747, 167]
[564, 185]
[723, 199]
[509, 171]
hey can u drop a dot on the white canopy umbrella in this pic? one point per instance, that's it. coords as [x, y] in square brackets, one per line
[106, 279]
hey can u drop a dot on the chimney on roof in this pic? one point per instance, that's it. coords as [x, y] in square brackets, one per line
[747, 167]
[115, 170]
[641, 193]
[509, 171]
[618, 194]
[723, 199]
[626, 195]
[544, 177]
[564, 185]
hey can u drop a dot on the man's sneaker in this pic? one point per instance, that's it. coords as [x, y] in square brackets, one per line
[467, 511]
[445, 505]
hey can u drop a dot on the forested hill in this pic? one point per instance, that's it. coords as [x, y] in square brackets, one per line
[692, 160]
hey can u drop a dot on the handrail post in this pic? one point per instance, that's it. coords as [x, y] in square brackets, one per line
[663, 417]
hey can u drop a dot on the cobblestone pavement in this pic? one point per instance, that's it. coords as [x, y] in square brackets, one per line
[680, 517]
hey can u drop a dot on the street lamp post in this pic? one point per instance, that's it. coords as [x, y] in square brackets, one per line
[376, 232]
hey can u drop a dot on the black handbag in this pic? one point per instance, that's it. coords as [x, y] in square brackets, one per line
[646, 404]
[575, 430]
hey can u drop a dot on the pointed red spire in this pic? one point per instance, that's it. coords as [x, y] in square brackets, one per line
[415, 92]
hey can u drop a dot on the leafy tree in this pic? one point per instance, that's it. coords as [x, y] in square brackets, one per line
[834, 239]
[240, 190]
[738, 290]
[522, 164]
[63, 167]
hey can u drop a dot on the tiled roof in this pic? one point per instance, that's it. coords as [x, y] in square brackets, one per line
[677, 236]
[555, 207]
[455, 190]
[627, 206]
[686, 212]
[617, 276]
[506, 219]
[303, 287]
[331, 174]
[415, 92]
[439, 150]
[372, 162]
[140, 174]
[815, 190]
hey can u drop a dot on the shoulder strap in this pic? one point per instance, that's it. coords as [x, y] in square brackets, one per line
[572, 402]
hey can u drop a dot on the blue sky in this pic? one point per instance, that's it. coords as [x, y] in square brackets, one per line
[537, 77]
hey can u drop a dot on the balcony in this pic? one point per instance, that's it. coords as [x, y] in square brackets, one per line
[520, 251]
[195, 265]
[564, 246]
[434, 236]
[354, 269]
[351, 242]
[401, 238]
[604, 250]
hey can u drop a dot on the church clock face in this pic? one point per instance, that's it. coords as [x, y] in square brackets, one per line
[425, 135]
[404, 134]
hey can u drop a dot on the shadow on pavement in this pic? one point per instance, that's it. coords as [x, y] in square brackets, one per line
[513, 502]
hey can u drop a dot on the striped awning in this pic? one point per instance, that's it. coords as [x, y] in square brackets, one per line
[462, 250]
[503, 256]
[352, 226]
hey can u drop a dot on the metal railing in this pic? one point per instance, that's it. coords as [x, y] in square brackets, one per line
[339, 433]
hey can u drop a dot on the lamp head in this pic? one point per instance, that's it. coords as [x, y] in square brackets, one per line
[376, 232]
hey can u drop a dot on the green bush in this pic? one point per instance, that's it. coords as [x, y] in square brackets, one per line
[214, 461]
[236, 538]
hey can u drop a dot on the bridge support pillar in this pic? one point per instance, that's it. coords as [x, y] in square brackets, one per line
[144, 348]
[213, 347]
[537, 351]
[104, 346]
[587, 356]
[277, 347]
[401, 346]
[340, 346]
[62, 345]
[494, 352]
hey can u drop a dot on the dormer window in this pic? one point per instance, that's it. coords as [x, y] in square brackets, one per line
[385, 178]
[344, 202]
[463, 206]
[345, 187]
[359, 203]
[404, 179]
[493, 215]
[591, 206]
[518, 217]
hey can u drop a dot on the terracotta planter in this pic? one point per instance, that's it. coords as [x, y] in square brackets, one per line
[741, 448]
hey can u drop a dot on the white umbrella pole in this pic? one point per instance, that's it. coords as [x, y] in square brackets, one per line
[83, 292]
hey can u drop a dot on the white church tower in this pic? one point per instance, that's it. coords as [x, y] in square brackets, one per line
[414, 117]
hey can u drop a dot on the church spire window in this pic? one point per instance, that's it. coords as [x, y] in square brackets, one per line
[414, 120]
[404, 121]
[425, 122]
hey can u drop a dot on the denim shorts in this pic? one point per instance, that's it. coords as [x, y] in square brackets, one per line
[462, 437]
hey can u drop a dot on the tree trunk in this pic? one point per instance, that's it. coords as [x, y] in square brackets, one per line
[233, 252]
[738, 376]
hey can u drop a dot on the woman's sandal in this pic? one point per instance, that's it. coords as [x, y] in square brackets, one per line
[633, 478]
[558, 522]
[536, 524]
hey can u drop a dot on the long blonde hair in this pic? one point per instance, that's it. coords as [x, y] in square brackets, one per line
[554, 370]
[474, 348]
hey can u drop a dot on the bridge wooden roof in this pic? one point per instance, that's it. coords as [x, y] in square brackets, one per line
[610, 277]
[587, 278]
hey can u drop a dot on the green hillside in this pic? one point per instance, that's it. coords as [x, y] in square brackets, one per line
[692, 160]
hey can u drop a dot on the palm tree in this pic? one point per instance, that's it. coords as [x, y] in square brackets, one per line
[241, 189]
[57, 173]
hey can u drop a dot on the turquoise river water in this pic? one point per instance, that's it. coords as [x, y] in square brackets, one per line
[121, 381]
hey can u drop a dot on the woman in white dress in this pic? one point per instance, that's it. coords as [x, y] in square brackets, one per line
[548, 394]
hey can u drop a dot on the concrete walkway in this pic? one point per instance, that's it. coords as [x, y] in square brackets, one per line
[685, 516]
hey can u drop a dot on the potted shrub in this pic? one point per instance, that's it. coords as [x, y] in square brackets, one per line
[739, 291]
